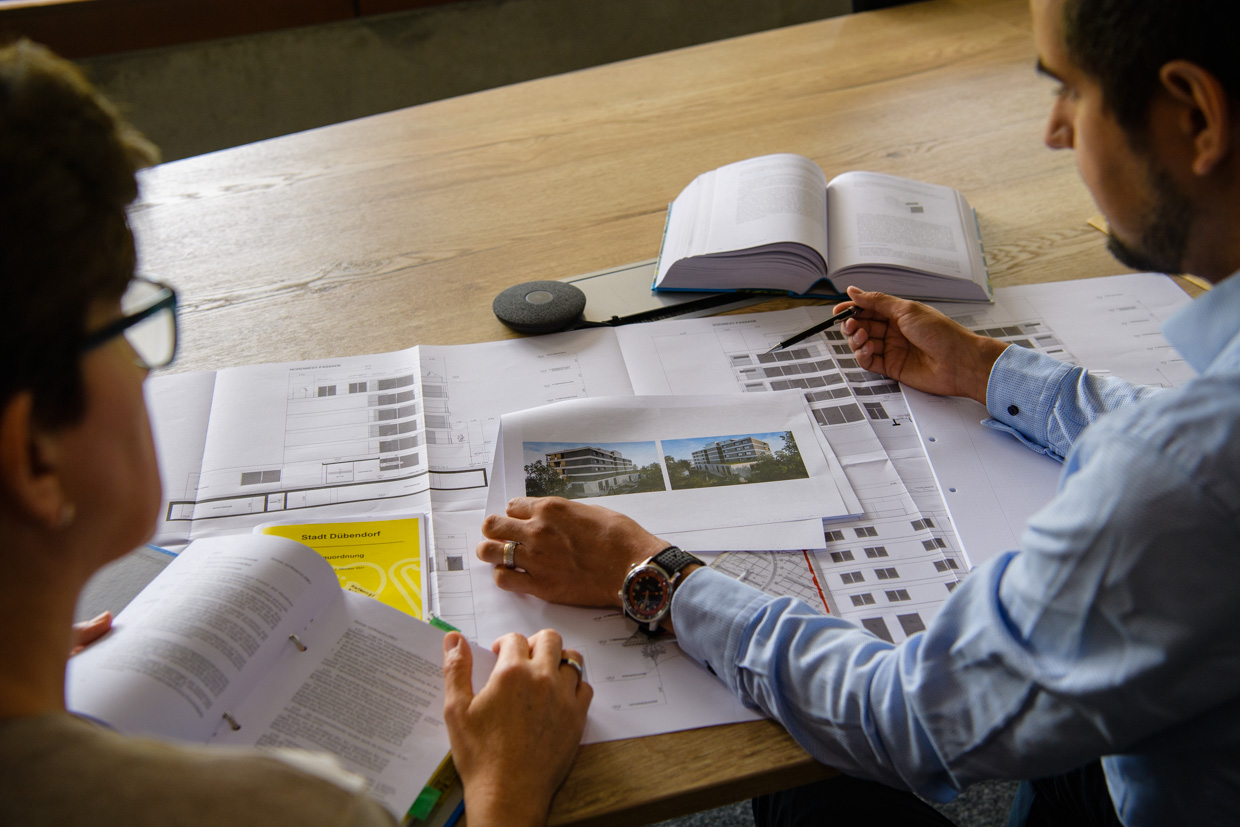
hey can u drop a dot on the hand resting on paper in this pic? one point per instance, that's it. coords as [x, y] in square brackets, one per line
[88, 631]
[919, 346]
[514, 740]
[568, 552]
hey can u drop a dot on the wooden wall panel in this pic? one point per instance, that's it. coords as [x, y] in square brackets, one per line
[88, 28]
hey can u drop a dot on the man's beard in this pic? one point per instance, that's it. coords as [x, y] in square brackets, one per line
[1161, 246]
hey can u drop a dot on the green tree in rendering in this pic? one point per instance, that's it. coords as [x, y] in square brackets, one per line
[785, 464]
[649, 478]
[542, 481]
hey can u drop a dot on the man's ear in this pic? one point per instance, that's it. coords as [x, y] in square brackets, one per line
[29, 469]
[1206, 116]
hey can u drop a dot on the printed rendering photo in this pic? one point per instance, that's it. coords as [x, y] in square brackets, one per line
[733, 460]
[577, 470]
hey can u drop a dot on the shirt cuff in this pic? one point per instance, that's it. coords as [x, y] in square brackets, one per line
[1021, 394]
[710, 612]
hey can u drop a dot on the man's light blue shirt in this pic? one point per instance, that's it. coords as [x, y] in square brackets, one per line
[1114, 631]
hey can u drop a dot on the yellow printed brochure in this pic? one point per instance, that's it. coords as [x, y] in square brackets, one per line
[379, 558]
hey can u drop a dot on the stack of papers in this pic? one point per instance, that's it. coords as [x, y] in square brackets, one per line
[448, 432]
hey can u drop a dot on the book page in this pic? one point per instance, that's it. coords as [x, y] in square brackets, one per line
[882, 219]
[767, 200]
[368, 688]
[772, 199]
[197, 639]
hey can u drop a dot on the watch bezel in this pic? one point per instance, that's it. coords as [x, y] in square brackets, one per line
[668, 566]
[629, 579]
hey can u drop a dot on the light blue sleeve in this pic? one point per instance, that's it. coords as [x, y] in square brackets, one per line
[1082, 644]
[1046, 403]
[834, 686]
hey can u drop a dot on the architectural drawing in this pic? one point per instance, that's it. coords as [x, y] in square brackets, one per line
[778, 573]
[302, 437]
[466, 388]
[455, 534]
[888, 570]
[625, 670]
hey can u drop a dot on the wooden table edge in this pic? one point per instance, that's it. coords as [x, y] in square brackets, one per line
[676, 773]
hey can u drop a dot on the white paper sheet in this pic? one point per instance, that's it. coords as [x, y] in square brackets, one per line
[797, 536]
[180, 406]
[641, 687]
[647, 429]
[358, 435]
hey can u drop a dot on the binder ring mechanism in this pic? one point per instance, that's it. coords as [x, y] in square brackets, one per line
[227, 716]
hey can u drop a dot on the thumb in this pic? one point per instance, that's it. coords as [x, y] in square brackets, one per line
[458, 667]
[884, 304]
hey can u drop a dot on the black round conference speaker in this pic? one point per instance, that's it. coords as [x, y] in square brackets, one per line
[540, 306]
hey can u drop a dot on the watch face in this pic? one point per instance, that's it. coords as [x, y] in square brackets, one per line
[647, 594]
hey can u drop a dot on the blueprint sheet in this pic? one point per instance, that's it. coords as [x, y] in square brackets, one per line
[411, 430]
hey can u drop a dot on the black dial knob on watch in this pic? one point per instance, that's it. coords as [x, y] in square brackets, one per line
[647, 591]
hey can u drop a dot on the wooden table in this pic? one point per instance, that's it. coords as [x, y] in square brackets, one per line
[398, 229]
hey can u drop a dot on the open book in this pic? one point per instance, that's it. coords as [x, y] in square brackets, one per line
[774, 223]
[249, 640]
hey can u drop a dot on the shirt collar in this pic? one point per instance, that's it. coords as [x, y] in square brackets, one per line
[1203, 330]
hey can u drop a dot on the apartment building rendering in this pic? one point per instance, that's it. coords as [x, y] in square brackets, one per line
[589, 470]
[731, 457]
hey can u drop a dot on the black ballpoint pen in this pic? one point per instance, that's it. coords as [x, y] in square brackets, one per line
[818, 328]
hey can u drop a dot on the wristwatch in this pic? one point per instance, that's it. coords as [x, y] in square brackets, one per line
[647, 591]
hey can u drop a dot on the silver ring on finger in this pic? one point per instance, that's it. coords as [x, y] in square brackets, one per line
[576, 664]
[510, 554]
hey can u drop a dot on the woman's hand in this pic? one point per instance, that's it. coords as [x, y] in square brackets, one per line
[88, 631]
[918, 346]
[514, 741]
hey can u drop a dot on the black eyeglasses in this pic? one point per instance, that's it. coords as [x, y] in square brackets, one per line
[149, 323]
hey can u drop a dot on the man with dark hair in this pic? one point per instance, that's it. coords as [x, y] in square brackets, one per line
[1101, 659]
[1123, 45]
